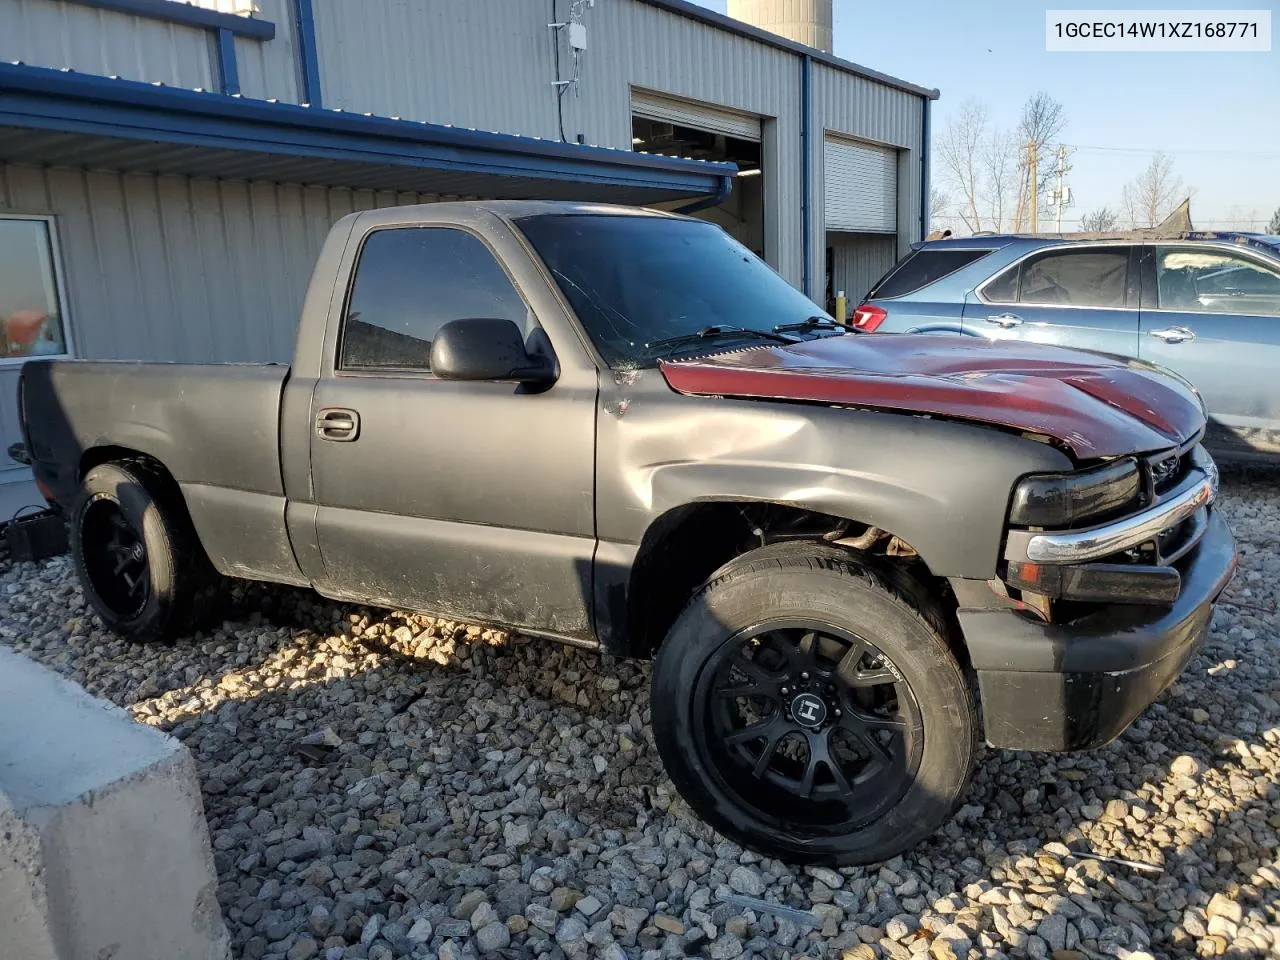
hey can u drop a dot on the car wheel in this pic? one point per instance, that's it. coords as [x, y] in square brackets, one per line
[138, 559]
[811, 712]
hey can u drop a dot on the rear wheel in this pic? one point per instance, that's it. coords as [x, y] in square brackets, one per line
[811, 712]
[140, 564]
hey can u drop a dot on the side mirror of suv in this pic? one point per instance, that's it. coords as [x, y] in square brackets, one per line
[487, 348]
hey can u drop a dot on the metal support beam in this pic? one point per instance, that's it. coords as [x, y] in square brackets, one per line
[227, 69]
[806, 171]
[308, 52]
[925, 105]
[188, 15]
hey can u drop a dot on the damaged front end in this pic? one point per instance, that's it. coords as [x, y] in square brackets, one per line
[1115, 533]
[1105, 592]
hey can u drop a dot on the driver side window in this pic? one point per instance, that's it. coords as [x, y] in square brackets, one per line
[411, 281]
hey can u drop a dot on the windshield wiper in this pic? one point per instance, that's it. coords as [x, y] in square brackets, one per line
[811, 323]
[713, 332]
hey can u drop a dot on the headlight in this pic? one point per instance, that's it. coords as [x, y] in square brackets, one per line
[1057, 500]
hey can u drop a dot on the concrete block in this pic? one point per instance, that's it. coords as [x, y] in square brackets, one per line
[105, 851]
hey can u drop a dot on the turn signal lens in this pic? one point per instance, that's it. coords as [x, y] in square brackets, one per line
[866, 318]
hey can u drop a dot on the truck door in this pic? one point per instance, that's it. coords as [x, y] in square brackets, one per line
[1076, 296]
[1212, 314]
[464, 499]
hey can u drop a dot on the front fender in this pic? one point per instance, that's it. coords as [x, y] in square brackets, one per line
[942, 486]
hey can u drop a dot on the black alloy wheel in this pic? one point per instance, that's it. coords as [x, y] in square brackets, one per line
[812, 707]
[140, 564]
[807, 722]
[115, 557]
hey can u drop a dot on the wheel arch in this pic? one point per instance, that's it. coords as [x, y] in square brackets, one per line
[689, 544]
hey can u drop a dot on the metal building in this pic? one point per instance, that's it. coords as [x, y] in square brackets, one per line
[168, 170]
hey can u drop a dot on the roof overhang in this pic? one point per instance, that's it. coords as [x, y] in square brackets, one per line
[60, 117]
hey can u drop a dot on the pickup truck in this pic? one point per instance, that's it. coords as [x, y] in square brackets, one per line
[620, 429]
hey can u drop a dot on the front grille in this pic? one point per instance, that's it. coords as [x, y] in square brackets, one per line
[1165, 470]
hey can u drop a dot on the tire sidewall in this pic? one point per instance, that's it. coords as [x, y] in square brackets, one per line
[128, 491]
[821, 591]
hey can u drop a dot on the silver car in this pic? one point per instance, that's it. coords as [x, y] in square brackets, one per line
[1205, 305]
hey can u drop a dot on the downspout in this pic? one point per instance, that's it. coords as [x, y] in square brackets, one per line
[714, 200]
[806, 172]
[924, 169]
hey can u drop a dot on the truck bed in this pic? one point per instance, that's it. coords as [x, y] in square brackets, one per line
[215, 427]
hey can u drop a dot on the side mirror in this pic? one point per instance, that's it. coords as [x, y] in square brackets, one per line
[486, 348]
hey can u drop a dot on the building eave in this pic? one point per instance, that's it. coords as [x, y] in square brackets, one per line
[69, 103]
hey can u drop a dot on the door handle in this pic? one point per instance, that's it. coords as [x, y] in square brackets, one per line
[1173, 334]
[1005, 320]
[338, 423]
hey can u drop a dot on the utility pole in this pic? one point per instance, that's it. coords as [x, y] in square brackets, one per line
[1062, 196]
[1034, 149]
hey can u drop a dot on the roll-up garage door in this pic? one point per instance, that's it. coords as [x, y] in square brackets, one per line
[861, 186]
[699, 116]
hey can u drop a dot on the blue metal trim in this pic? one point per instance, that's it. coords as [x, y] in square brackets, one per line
[806, 171]
[308, 52]
[38, 97]
[187, 14]
[227, 68]
[723, 192]
[925, 147]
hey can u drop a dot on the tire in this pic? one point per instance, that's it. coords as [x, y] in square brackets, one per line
[880, 728]
[129, 515]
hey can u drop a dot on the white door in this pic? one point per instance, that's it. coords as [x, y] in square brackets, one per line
[860, 186]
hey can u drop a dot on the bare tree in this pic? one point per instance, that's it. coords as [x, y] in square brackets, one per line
[1043, 120]
[1238, 218]
[940, 213]
[959, 149]
[1101, 220]
[1152, 195]
[1274, 226]
[987, 167]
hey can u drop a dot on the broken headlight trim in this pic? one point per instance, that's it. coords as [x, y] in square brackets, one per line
[1058, 500]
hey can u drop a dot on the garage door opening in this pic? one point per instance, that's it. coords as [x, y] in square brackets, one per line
[854, 262]
[676, 128]
[860, 192]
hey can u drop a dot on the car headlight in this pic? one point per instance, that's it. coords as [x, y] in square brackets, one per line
[1057, 500]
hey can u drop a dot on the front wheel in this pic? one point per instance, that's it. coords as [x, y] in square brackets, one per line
[810, 712]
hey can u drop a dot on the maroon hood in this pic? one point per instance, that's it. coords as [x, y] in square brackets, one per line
[1095, 405]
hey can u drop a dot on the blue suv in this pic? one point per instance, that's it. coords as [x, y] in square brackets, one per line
[1205, 305]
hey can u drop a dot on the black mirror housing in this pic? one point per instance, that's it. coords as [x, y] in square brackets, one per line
[486, 348]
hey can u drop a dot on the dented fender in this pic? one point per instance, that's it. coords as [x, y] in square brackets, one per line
[941, 486]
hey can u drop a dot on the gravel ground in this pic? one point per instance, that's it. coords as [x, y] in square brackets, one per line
[379, 785]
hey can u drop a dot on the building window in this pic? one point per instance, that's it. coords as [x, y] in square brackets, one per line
[32, 319]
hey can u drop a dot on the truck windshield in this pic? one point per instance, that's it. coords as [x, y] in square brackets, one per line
[651, 287]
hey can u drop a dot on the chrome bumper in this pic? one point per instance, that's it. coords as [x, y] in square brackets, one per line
[1193, 495]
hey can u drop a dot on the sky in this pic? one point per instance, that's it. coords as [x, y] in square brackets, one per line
[1216, 114]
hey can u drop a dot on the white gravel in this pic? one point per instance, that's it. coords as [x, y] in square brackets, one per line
[468, 794]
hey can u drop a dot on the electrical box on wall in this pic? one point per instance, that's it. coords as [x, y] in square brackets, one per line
[577, 36]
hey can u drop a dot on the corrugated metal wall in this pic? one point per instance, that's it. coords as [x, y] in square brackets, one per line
[267, 69]
[864, 110]
[490, 65]
[50, 33]
[174, 268]
[859, 260]
[46, 33]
